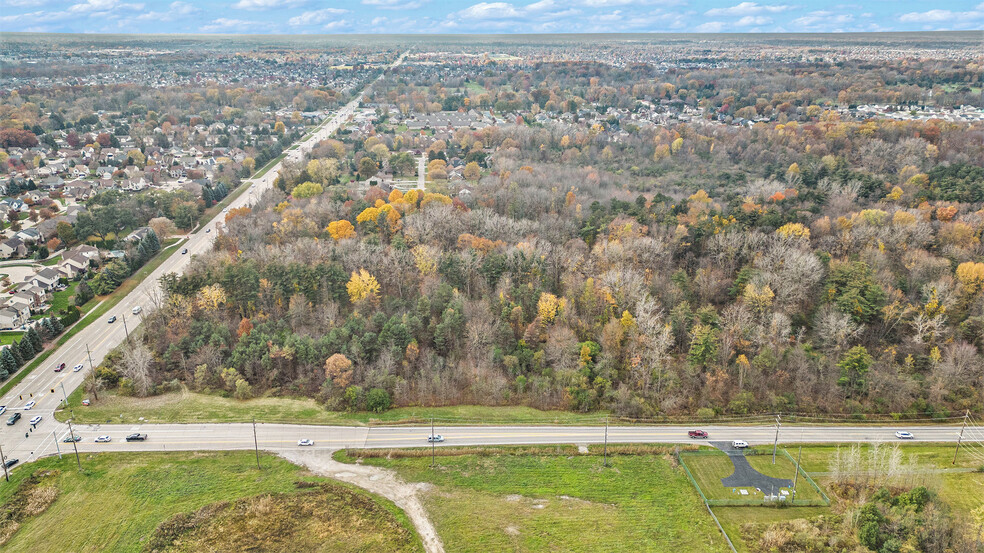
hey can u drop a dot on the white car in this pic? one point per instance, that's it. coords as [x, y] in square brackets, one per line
[137, 310]
[35, 420]
[3, 409]
[435, 438]
[739, 444]
[78, 368]
[904, 435]
[30, 404]
[101, 439]
[305, 441]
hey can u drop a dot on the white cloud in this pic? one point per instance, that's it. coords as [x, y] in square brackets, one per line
[747, 8]
[176, 9]
[335, 25]
[485, 11]
[928, 16]
[395, 4]
[753, 20]
[259, 5]
[315, 17]
[101, 7]
[710, 27]
[823, 20]
[225, 24]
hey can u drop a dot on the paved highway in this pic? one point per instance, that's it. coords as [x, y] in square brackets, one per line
[177, 437]
[100, 337]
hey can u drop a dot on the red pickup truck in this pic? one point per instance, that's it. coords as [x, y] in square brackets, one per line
[697, 434]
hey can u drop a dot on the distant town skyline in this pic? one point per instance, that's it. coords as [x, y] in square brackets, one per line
[447, 16]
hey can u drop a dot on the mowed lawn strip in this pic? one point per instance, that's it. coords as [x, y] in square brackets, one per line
[119, 499]
[541, 503]
[190, 407]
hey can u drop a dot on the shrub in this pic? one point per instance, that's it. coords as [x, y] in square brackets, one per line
[378, 400]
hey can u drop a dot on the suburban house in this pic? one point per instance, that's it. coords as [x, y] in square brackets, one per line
[21, 301]
[138, 234]
[12, 318]
[29, 235]
[13, 247]
[46, 278]
[74, 265]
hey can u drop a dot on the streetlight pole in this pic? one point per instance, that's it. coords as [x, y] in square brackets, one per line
[92, 369]
[960, 438]
[3, 461]
[256, 445]
[124, 327]
[75, 447]
[55, 437]
[606, 441]
[775, 444]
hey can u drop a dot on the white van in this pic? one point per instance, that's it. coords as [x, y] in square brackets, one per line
[739, 444]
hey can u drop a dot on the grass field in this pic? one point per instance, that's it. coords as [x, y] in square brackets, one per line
[544, 502]
[60, 299]
[732, 519]
[708, 468]
[194, 407]
[119, 500]
[7, 338]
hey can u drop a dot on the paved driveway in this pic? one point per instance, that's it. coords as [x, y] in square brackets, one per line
[745, 476]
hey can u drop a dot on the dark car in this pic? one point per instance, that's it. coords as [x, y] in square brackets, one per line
[184, 251]
[72, 438]
[112, 319]
[11, 462]
[13, 419]
[697, 434]
[136, 437]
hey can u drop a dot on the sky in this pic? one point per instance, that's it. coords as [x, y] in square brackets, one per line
[468, 16]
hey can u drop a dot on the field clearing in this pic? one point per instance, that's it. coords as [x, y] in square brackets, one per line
[541, 502]
[119, 500]
[195, 407]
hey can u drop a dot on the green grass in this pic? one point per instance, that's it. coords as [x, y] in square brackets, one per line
[816, 458]
[52, 261]
[194, 407]
[98, 311]
[60, 299]
[7, 338]
[472, 86]
[732, 518]
[709, 467]
[119, 499]
[542, 502]
[269, 165]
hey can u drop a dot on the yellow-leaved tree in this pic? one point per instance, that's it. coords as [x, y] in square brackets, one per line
[210, 297]
[548, 307]
[340, 230]
[793, 230]
[363, 288]
[971, 275]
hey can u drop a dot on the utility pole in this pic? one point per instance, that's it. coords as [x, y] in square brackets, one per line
[606, 441]
[433, 445]
[960, 438]
[58, 449]
[75, 447]
[3, 461]
[796, 475]
[124, 327]
[256, 445]
[92, 370]
[64, 395]
[775, 444]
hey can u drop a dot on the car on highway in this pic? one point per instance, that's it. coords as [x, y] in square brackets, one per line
[59, 367]
[36, 419]
[305, 441]
[29, 405]
[78, 368]
[136, 437]
[739, 444]
[102, 439]
[697, 434]
[13, 419]
[3, 409]
[11, 462]
[137, 310]
[184, 251]
[112, 319]
[435, 438]
[904, 435]
[72, 438]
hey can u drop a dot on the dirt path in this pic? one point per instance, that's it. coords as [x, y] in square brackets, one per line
[376, 480]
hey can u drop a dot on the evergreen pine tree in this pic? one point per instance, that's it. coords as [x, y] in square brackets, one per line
[15, 351]
[152, 242]
[26, 348]
[35, 339]
[7, 362]
[57, 325]
[49, 327]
